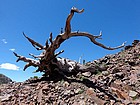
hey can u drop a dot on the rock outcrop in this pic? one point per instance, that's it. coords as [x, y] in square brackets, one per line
[4, 79]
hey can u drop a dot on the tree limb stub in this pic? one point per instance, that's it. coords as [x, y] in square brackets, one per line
[47, 61]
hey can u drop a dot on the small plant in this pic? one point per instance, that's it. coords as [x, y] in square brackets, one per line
[83, 78]
[135, 97]
[81, 91]
[98, 72]
[87, 63]
[35, 77]
[62, 81]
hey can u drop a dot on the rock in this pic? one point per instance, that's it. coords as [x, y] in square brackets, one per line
[135, 42]
[82, 102]
[133, 93]
[128, 47]
[65, 84]
[105, 73]
[90, 91]
[115, 70]
[67, 92]
[82, 97]
[5, 98]
[119, 75]
[78, 91]
[86, 74]
[75, 103]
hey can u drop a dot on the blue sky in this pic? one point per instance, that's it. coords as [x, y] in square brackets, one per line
[119, 21]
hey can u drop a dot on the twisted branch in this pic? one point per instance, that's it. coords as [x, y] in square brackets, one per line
[47, 59]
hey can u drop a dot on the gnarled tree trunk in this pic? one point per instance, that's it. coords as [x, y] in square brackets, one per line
[47, 61]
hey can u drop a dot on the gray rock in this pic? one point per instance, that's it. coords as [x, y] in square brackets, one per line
[86, 74]
[4, 79]
[105, 73]
[67, 92]
[133, 93]
[77, 90]
[5, 98]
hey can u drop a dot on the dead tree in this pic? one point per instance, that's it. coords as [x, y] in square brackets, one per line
[47, 61]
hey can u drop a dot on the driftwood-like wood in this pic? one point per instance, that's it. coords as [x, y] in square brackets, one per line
[47, 61]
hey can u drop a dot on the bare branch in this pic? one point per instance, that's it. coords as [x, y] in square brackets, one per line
[50, 39]
[99, 36]
[26, 66]
[34, 56]
[92, 38]
[46, 44]
[68, 26]
[59, 53]
[74, 9]
[39, 46]
[31, 62]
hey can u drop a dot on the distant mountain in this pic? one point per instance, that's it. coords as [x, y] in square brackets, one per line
[4, 79]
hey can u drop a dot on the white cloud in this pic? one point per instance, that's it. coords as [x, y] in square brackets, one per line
[12, 49]
[9, 66]
[4, 41]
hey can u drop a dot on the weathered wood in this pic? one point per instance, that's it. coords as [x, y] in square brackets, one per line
[47, 61]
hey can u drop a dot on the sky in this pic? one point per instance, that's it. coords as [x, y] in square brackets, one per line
[119, 21]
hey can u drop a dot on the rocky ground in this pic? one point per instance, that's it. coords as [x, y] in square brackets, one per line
[117, 84]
